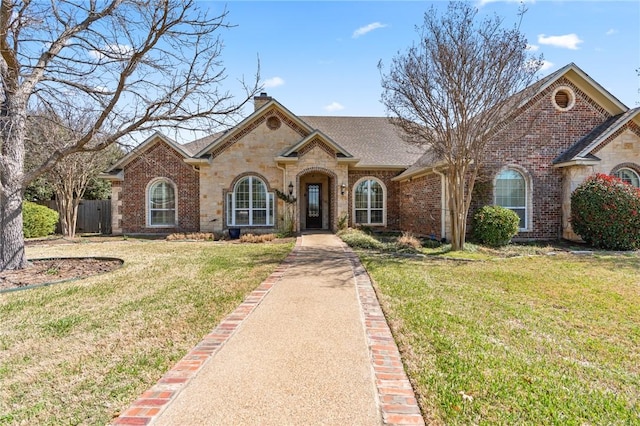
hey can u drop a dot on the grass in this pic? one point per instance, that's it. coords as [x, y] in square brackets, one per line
[516, 337]
[79, 352]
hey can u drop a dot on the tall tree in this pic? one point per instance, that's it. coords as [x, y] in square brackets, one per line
[454, 89]
[131, 65]
[71, 176]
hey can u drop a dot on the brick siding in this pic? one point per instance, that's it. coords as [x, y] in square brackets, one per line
[420, 205]
[159, 160]
[393, 216]
[534, 139]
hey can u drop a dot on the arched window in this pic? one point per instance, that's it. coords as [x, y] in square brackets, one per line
[250, 204]
[511, 192]
[369, 202]
[629, 176]
[161, 197]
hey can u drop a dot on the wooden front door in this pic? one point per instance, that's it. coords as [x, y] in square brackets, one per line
[314, 205]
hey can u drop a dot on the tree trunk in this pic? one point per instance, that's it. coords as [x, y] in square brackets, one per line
[12, 254]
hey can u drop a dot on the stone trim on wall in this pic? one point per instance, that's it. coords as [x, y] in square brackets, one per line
[316, 142]
[628, 126]
[254, 124]
[333, 193]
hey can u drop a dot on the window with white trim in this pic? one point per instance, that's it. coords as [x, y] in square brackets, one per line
[511, 192]
[162, 203]
[369, 202]
[628, 175]
[250, 204]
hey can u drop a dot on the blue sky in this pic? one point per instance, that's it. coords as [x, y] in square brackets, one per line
[320, 57]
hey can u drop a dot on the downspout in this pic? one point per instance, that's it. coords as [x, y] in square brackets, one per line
[443, 200]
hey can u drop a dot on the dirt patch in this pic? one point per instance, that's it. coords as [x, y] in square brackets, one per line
[45, 271]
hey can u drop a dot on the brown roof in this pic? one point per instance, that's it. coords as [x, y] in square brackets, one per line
[373, 140]
[194, 147]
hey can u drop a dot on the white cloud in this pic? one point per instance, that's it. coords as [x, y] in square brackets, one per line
[113, 51]
[334, 106]
[611, 31]
[273, 82]
[532, 47]
[567, 41]
[367, 28]
[546, 65]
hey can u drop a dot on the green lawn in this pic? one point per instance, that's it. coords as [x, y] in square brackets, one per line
[520, 340]
[79, 352]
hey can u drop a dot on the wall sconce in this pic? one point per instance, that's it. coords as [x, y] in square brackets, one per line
[342, 188]
[290, 188]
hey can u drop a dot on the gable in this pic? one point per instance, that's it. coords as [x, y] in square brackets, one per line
[269, 120]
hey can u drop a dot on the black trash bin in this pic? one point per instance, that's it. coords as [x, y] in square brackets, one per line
[234, 233]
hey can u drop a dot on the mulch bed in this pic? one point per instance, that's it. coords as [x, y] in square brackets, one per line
[46, 271]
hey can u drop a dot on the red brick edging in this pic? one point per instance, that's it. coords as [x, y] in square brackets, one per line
[396, 398]
[398, 404]
[151, 403]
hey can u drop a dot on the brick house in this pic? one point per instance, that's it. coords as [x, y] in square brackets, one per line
[569, 128]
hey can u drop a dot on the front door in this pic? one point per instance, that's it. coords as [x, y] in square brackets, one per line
[314, 205]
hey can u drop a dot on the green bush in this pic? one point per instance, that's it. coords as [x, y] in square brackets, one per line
[358, 239]
[495, 225]
[37, 220]
[605, 212]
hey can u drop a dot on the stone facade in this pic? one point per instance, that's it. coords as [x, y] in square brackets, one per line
[288, 155]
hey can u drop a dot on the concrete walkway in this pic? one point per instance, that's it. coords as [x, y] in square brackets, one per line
[309, 347]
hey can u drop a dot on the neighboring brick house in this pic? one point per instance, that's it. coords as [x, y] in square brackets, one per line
[569, 128]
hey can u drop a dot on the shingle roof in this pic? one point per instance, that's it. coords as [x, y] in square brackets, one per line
[580, 149]
[194, 147]
[374, 140]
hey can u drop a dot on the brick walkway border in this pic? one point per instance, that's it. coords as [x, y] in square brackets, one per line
[398, 404]
[150, 404]
[396, 398]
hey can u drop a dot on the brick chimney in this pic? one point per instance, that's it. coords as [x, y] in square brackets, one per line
[258, 101]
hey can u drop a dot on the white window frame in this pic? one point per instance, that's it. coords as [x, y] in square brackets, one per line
[527, 195]
[232, 208]
[633, 172]
[368, 208]
[149, 210]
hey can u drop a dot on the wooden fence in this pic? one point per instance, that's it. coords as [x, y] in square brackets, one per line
[94, 216]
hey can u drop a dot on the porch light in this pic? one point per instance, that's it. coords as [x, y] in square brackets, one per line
[290, 188]
[343, 187]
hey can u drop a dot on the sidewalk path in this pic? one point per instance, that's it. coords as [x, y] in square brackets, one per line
[309, 347]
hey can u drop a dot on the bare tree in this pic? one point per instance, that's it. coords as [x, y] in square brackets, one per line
[454, 90]
[131, 65]
[70, 177]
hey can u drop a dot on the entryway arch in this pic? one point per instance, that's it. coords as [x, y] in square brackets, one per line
[317, 198]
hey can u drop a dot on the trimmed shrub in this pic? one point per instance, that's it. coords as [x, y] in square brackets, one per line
[605, 212]
[495, 225]
[37, 220]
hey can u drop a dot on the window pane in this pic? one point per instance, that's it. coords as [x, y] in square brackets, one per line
[376, 195]
[242, 194]
[361, 195]
[229, 208]
[628, 176]
[163, 217]
[361, 216]
[510, 189]
[162, 196]
[521, 214]
[242, 217]
[270, 221]
[259, 217]
[259, 194]
[376, 216]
